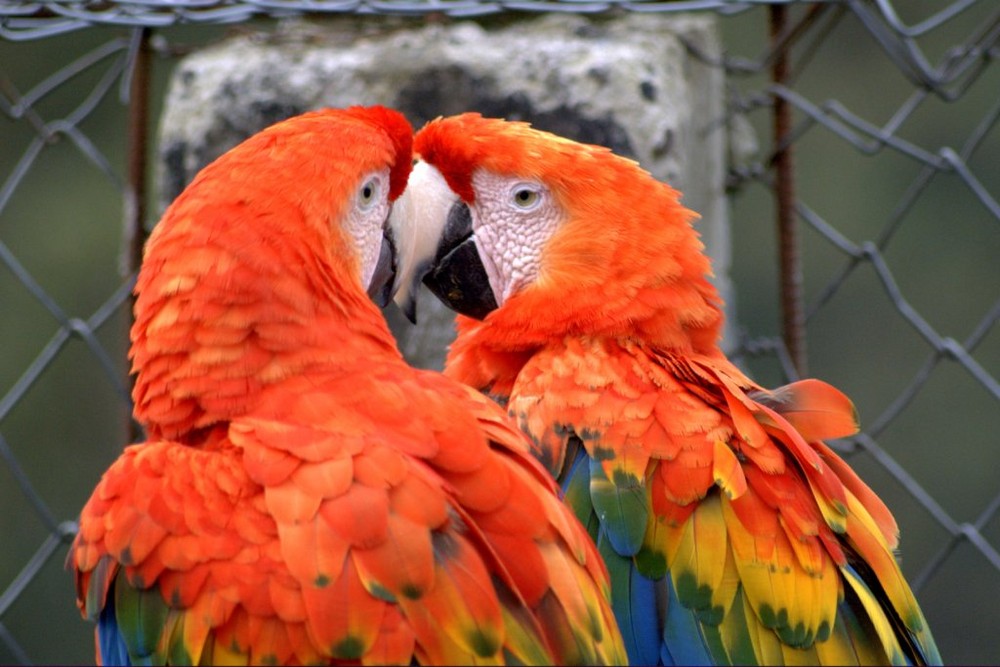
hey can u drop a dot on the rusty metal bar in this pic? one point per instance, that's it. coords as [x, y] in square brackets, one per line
[134, 232]
[789, 255]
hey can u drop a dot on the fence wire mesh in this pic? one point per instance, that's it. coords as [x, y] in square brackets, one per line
[893, 121]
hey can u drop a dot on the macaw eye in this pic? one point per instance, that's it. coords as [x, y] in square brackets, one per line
[368, 194]
[526, 197]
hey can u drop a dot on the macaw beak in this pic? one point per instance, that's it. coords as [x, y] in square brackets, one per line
[384, 282]
[439, 247]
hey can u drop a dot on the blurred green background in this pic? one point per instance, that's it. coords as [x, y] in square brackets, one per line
[63, 223]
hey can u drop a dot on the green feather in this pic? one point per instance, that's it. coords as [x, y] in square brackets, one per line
[735, 635]
[576, 490]
[97, 590]
[652, 558]
[713, 641]
[142, 619]
[622, 507]
[177, 652]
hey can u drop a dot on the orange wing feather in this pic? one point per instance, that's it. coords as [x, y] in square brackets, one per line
[785, 500]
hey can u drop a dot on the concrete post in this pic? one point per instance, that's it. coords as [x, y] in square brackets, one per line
[628, 82]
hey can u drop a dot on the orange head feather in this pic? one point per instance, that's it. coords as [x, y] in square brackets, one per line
[400, 133]
[251, 276]
[625, 259]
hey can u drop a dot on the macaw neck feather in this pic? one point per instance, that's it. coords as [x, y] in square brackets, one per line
[222, 317]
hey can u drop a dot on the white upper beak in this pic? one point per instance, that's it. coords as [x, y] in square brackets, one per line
[418, 220]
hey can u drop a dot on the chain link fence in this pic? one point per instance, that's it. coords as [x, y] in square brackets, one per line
[877, 131]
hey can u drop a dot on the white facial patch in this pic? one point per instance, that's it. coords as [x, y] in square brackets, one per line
[365, 218]
[512, 219]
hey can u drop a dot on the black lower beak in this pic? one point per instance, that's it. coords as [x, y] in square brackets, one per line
[457, 275]
[383, 279]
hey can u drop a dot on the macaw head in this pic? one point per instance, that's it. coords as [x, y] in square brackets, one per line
[251, 267]
[324, 181]
[544, 235]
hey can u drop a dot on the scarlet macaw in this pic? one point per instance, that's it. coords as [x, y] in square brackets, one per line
[304, 496]
[732, 532]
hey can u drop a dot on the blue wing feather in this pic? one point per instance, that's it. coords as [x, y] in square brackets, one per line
[110, 642]
[633, 598]
[683, 643]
